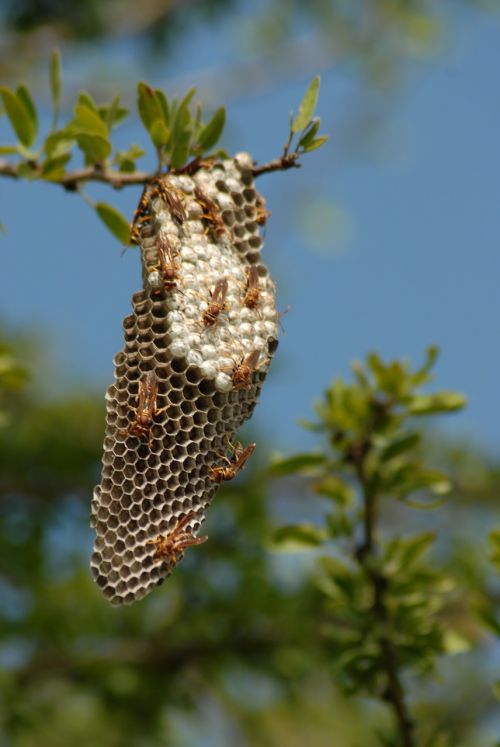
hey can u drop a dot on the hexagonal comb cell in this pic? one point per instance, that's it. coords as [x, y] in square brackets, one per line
[197, 348]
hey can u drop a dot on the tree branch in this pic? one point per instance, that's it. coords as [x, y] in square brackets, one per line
[394, 693]
[71, 180]
[284, 162]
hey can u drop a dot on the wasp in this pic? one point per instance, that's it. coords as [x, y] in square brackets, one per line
[146, 409]
[196, 164]
[252, 292]
[170, 546]
[211, 212]
[141, 215]
[262, 214]
[217, 302]
[173, 197]
[242, 372]
[168, 268]
[240, 457]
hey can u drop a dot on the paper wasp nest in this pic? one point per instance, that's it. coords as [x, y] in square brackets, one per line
[155, 477]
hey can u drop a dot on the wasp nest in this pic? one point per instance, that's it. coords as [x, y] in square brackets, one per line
[197, 349]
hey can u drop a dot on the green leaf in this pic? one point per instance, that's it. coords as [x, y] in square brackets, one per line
[402, 479]
[95, 148]
[125, 160]
[421, 376]
[212, 131]
[307, 106]
[183, 109]
[181, 149]
[85, 99]
[317, 143]
[88, 122]
[412, 548]
[2, 228]
[55, 83]
[182, 122]
[433, 480]
[25, 96]
[399, 445]
[159, 132]
[298, 463]
[339, 524]
[19, 116]
[336, 489]
[113, 114]
[115, 221]
[430, 404]
[59, 143]
[299, 536]
[341, 575]
[360, 375]
[163, 102]
[310, 133]
[53, 168]
[148, 105]
[7, 150]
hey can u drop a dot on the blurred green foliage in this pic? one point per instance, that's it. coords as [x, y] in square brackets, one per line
[239, 645]
[375, 35]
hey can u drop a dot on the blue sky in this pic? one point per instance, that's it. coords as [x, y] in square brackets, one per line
[414, 259]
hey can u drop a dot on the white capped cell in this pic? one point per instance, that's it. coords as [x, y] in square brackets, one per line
[226, 363]
[194, 358]
[209, 369]
[178, 348]
[155, 280]
[184, 183]
[243, 160]
[233, 185]
[178, 329]
[246, 329]
[208, 351]
[260, 328]
[225, 201]
[247, 315]
[271, 329]
[175, 317]
[191, 312]
[187, 254]
[223, 382]
[258, 343]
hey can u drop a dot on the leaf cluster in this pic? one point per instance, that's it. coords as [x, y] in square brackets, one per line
[374, 422]
[177, 134]
[303, 133]
[384, 600]
[414, 595]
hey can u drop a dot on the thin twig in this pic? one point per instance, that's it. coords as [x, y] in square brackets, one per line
[284, 162]
[71, 180]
